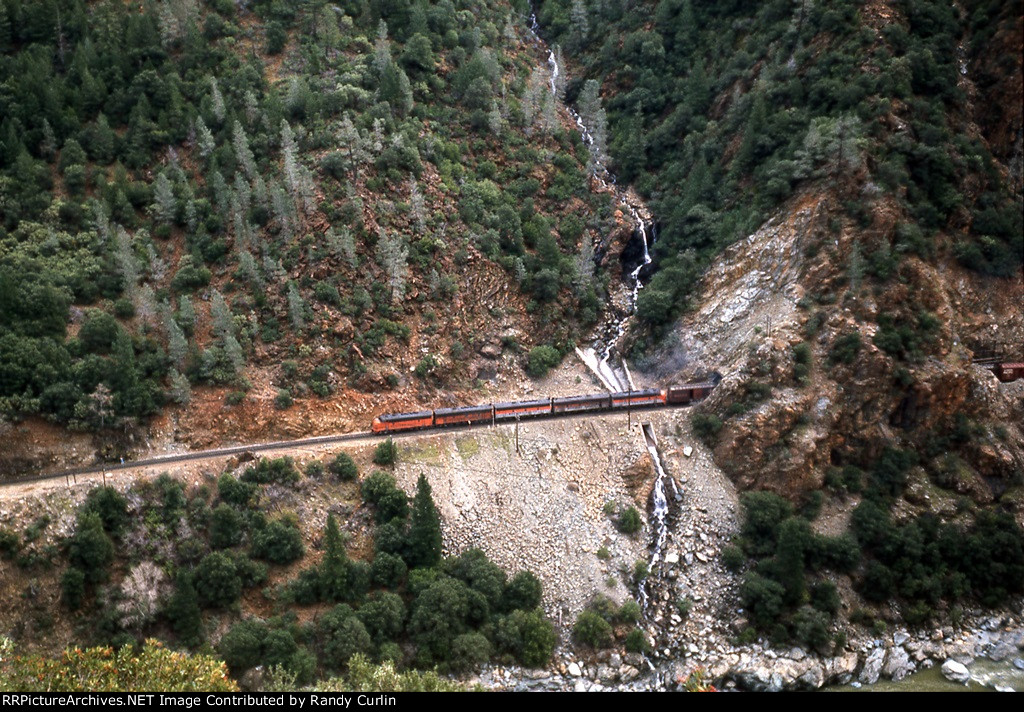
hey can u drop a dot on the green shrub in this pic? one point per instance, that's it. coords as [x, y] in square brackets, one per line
[217, 581]
[343, 467]
[315, 469]
[283, 400]
[706, 427]
[72, 585]
[386, 453]
[90, 549]
[234, 492]
[591, 629]
[225, 527]
[636, 642]
[845, 348]
[528, 636]
[542, 359]
[280, 542]
[280, 470]
[629, 521]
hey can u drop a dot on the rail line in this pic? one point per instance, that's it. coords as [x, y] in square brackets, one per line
[214, 453]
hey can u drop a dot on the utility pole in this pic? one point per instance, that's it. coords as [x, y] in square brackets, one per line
[629, 411]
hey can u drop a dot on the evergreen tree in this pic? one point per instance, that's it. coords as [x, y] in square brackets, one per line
[334, 568]
[184, 613]
[424, 548]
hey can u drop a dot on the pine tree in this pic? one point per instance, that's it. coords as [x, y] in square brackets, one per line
[393, 256]
[223, 321]
[165, 205]
[334, 568]
[242, 151]
[296, 306]
[180, 390]
[424, 543]
[184, 613]
[419, 211]
[204, 138]
[216, 101]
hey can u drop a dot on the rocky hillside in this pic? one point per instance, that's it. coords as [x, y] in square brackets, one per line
[839, 204]
[234, 222]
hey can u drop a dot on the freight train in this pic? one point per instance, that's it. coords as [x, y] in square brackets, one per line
[541, 407]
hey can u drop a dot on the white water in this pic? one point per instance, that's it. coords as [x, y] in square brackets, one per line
[598, 358]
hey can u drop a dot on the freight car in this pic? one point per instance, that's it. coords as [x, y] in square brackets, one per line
[542, 407]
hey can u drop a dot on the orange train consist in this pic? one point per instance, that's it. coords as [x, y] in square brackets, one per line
[504, 412]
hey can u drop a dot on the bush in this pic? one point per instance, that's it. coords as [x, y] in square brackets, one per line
[528, 636]
[90, 549]
[636, 642]
[629, 521]
[110, 506]
[234, 492]
[593, 630]
[225, 527]
[73, 588]
[283, 400]
[280, 542]
[541, 360]
[386, 453]
[469, 651]
[845, 348]
[343, 467]
[217, 581]
[523, 592]
[706, 427]
[279, 470]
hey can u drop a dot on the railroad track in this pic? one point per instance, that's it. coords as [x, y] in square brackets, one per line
[175, 458]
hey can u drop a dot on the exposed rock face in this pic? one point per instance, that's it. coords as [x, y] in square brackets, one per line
[787, 285]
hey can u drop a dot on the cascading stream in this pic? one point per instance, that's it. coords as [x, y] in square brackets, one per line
[599, 357]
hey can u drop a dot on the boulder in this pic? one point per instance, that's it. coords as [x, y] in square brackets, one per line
[872, 669]
[956, 672]
[897, 664]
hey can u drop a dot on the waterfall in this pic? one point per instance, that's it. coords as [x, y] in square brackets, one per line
[599, 357]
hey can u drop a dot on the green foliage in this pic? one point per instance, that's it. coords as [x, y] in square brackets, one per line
[234, 492]
[386, 453]
[523, 592]
[424, 538]
[542, 359]
[591, 629]
[149, 669]
[110, 506]
[629, 521]
[183, 611]
[845, 348]
[225, 527]
[217, 581]
[90, 549]
[279, 542]
[72, 588]
[343, 467]
[706, 427]
[527, 636]
[636, 642]
[279, 470]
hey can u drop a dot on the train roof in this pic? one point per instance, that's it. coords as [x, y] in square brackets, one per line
[581, 399]
[523, 404]
[391, 417]
[630, 394]
[464, 409]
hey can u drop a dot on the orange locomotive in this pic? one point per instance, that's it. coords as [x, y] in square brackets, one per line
[504, 412]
